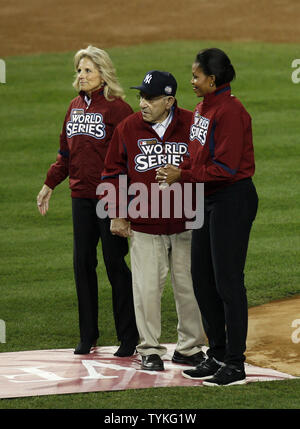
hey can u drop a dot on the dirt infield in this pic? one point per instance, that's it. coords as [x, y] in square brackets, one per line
[52, 25]
[274, 336]
[35, 26]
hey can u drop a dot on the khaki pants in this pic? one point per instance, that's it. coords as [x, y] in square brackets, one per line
[151, 258]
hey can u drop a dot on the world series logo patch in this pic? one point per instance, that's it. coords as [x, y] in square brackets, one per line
[155, 154]
[84, 123]
[199, 128]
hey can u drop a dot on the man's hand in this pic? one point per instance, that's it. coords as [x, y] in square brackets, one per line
[43, 199]
[121, 227]
[168, 174]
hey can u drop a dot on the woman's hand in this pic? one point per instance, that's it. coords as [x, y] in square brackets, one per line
[168, 174]
[43, 199]
[121, 227]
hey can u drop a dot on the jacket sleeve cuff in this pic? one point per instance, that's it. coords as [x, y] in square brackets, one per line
[50, 183]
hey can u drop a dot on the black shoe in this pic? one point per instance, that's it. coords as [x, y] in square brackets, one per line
[125, 350]
[192, 360]
[84, 347]
[204, 370]
[152, 363]
[227, 376]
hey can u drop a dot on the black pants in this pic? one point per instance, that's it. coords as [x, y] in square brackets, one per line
[88, 228]
[219, 251]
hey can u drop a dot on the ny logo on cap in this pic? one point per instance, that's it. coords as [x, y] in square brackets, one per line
[148, 78]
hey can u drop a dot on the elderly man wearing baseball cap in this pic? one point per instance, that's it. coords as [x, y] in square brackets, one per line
[151, 138]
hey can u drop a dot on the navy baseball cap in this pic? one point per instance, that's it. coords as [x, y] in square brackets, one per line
[158, 83]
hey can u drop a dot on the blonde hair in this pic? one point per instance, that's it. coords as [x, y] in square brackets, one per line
[101, 59]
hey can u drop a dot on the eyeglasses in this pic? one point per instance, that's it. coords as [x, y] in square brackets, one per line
[150, 98]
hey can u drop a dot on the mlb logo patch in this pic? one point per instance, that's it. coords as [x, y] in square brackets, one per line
[150, 141]
[76, 112]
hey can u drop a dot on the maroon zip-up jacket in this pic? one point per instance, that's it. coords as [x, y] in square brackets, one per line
[220, 147]
[85, 136]
[137, 151]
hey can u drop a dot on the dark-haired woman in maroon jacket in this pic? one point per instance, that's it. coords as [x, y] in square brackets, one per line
[222, 157]
[88, 127]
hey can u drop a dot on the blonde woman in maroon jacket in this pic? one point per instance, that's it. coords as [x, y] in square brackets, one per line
[87, 130]
[222, 157]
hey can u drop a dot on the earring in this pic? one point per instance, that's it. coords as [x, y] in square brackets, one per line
[212, 84]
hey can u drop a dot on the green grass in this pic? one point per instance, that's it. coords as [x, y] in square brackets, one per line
[263, 395]
[38, 301]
